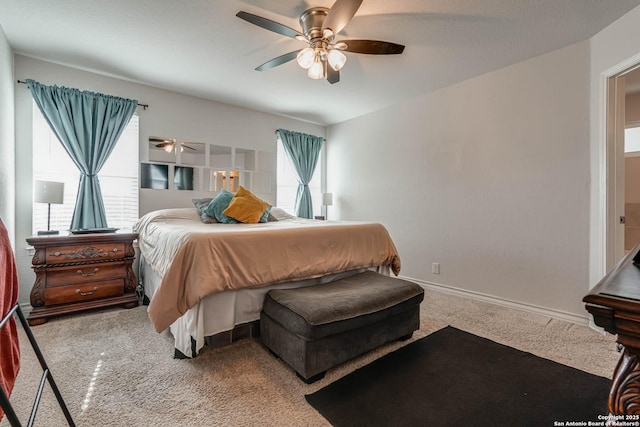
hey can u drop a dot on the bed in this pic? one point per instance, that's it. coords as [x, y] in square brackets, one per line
[206, 279]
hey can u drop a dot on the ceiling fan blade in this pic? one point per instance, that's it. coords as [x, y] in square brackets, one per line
[186, 146]
[372, 47]
[340, 14]
[278, 61]
[164, 144]
[268, 24]
[333, 76]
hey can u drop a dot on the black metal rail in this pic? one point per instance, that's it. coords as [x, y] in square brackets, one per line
[46, 376]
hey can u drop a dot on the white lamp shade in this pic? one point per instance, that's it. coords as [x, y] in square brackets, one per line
[305, 57]
[327, 199]
[316, 71]
[336, 59]
[48, 192]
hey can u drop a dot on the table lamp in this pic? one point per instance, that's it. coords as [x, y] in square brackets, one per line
[48, 192]
[327, 200]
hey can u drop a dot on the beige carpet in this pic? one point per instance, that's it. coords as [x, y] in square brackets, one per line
[114, 370]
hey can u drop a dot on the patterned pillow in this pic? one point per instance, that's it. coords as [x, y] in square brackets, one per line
[218, 205]
[201, 205]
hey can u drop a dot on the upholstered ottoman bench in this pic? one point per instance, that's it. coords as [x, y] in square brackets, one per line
[316, 328]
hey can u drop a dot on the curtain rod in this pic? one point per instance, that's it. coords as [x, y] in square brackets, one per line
[144, 106]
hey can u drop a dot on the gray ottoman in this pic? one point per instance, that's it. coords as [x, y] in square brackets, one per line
[316, 328]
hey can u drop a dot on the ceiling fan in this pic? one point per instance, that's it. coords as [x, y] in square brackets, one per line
[169, 145]
[323, 57]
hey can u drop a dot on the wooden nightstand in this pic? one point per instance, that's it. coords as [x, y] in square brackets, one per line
[81, 272]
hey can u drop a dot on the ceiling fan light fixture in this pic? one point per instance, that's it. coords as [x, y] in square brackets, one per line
[322, 58]
[336, 59]
[306, 57]
[316, 71]
[168, 148]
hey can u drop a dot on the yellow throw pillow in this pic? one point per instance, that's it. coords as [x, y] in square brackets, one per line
[246, 207]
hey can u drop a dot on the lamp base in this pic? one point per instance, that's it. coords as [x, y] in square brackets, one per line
[47, 232]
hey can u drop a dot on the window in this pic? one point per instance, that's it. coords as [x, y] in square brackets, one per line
[632, 140]
[287, 183]
[118, 177]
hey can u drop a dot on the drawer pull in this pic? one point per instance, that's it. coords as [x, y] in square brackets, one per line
[84, 294]
[115, 250]
[57, 253]
[83, 274]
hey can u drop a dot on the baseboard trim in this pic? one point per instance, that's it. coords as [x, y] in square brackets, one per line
[529, 308]
[26, 308]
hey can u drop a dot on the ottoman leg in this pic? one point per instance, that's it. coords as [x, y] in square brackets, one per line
[313, 378]
[405, 337]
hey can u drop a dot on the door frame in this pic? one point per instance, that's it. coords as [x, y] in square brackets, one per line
[615, 168]
[611, 159]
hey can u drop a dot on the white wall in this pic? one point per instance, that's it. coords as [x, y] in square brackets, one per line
[169, 115]
[7, 140]
[489, 178]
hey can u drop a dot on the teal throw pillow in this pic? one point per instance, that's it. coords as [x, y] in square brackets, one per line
[265, 215]
[218, 205]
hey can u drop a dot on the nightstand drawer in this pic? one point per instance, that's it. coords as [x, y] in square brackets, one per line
[78, 253]
[88, 273]
[85, 292]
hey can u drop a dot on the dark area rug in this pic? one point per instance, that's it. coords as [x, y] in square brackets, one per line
[454, 378]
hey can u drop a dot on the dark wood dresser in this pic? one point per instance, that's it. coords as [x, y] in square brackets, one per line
[615, 305]
[81, 272]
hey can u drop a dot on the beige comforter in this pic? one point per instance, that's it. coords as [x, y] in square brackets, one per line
[196, 259]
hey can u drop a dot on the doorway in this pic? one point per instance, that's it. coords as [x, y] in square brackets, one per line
[632, 160]
[623, 164]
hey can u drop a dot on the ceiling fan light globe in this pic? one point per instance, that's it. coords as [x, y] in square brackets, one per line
[168, 148]
[336, 59]
[327, 33]
[305, 58]
[316, 71]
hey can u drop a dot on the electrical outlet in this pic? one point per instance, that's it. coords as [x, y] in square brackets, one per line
[435, 268]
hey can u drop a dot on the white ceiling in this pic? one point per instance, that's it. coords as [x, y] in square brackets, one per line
[200, 48]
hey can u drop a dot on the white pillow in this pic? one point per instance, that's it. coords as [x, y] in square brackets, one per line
[281, 214]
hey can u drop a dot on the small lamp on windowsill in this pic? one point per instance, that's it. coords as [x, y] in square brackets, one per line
[48, 192]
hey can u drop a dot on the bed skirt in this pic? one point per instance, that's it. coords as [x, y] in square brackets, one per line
[220, 313]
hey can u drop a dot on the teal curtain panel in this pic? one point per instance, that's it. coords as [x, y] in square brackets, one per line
[303, 151]
[88, 125]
